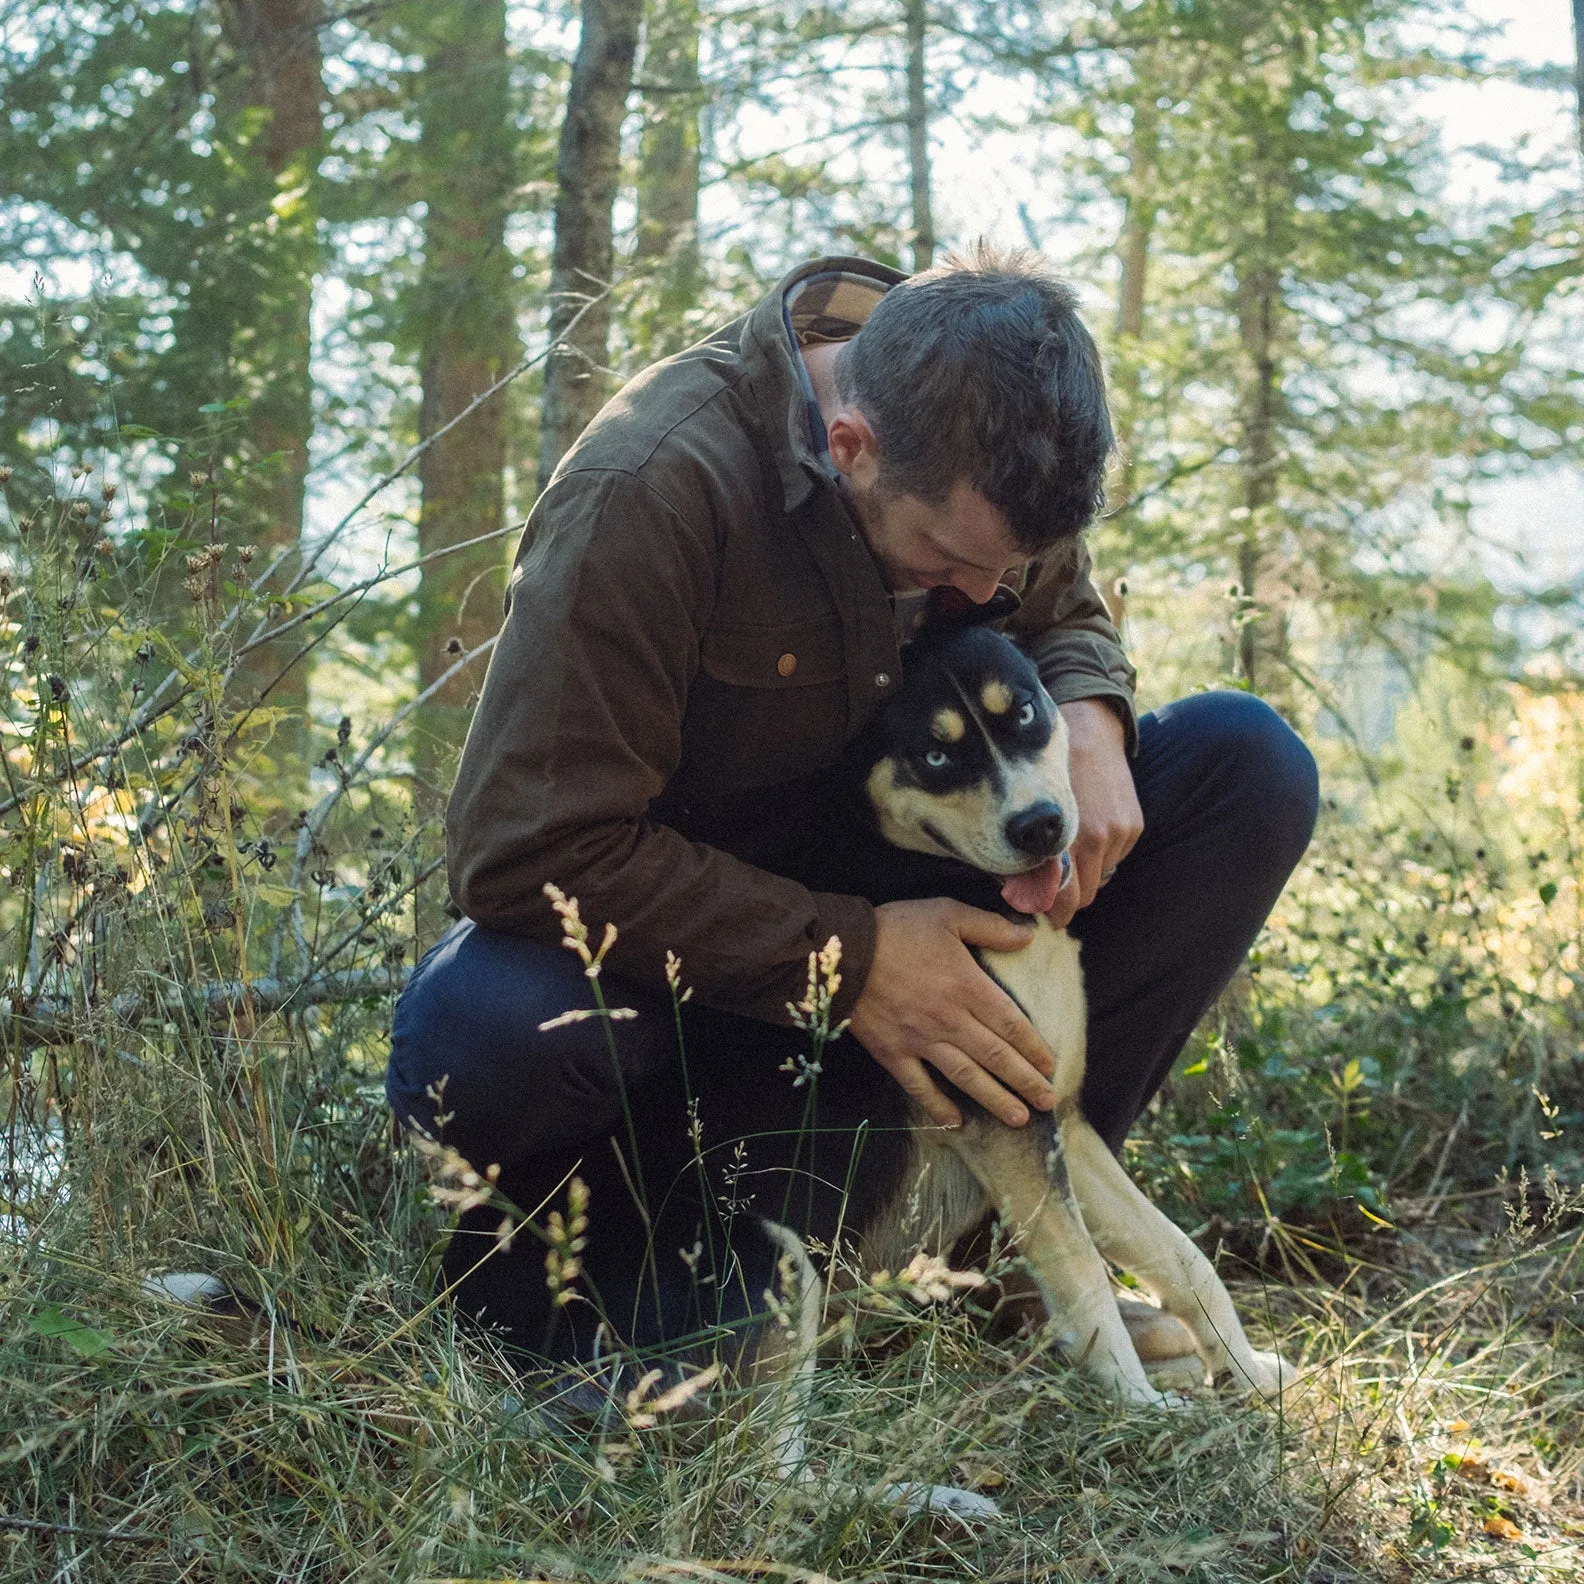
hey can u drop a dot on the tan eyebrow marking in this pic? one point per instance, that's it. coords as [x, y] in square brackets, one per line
[947, 726]
[996, 697]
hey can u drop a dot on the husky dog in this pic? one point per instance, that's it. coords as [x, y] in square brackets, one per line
[970, 762]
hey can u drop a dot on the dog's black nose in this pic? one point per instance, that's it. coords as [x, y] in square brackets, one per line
[1037, 830]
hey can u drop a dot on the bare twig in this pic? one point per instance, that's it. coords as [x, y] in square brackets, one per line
[308, 830]
[521, 368]
[330, 954]
[56, 1020]
[39, 1526]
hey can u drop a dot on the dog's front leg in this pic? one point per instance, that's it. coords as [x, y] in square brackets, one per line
[1024, 1171]
[1145, 1242]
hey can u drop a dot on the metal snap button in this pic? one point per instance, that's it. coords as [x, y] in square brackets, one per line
[787, 664]
[883, 679]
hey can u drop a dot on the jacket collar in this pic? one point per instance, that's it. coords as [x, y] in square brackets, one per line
[778, 384]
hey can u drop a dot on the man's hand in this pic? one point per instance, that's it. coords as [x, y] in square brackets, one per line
[1110, 820]
[927, 1000]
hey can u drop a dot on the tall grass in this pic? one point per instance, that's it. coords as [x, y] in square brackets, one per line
[1378, 1130]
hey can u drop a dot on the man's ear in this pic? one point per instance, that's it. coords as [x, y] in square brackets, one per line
[853, 450]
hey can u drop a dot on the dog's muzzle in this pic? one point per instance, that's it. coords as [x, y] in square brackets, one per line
[1037, 831]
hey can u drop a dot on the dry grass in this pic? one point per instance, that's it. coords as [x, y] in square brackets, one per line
[338, 1428]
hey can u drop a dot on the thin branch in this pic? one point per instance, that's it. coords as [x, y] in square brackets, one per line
[308, 831]
[352, 590]
[39, 1526]
[330, 954]
[521, 368]
[56, 1020]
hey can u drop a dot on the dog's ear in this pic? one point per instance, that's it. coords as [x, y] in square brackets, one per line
[950, 610]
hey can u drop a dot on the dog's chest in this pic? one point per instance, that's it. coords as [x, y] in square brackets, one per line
[941, 1197]
[1047, 982]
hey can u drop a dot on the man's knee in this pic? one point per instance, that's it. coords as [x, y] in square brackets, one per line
[472, 1064]
[1265, 775]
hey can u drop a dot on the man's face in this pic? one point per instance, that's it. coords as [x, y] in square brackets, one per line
[964, 542]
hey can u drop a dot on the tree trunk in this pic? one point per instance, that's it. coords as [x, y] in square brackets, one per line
[1578, 66]
[587, 170]
[918, 136]
[668, 172]
[276, 43]
[1262, 635]
[468, 339]
[1133, 247]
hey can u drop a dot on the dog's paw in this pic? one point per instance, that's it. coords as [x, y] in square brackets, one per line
[1155, 1401]
[1185, 1373]
[1267, 1375]
[917, 1497]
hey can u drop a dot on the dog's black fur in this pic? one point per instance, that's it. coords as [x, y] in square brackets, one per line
[821, 1156]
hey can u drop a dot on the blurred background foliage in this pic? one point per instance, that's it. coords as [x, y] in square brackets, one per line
[302, 301]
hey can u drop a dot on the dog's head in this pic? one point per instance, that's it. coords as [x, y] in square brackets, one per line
[969, 761]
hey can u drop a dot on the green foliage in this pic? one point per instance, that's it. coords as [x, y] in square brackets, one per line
[1330, 356]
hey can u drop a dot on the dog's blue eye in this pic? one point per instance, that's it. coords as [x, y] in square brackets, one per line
[1026, 714]
[937, 758]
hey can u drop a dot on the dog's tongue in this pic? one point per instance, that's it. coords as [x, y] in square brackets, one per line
[1035, 890]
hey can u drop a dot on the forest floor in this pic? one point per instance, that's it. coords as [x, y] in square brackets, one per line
[341, 1429]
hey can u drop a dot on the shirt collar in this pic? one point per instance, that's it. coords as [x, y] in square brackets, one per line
[825, 294]
[825, 310]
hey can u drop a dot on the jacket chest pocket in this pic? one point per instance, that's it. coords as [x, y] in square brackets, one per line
[768, 704]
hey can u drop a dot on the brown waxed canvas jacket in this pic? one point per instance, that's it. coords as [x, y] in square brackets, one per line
[694, 622]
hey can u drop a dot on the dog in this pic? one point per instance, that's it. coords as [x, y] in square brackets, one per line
[729, 1173]
[970, 763]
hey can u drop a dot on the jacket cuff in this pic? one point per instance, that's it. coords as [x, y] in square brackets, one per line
[1069, 686]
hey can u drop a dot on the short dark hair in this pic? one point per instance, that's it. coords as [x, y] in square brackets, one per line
[981, 370]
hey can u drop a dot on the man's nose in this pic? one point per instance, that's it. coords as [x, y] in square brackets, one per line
[977, 585]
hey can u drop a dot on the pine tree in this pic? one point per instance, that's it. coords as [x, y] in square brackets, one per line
[1289, 381]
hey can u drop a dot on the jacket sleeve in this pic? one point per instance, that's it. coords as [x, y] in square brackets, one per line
[578, 729]
[1063, 623]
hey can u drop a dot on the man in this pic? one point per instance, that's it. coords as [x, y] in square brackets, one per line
[711, 598]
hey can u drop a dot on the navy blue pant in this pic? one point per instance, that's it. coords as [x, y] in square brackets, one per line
[1229, 795]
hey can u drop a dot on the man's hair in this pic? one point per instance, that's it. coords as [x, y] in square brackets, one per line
[982, 371]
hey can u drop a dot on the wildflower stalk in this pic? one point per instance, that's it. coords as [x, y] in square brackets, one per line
[575, 937]
[813, 1015]
[681, 993]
